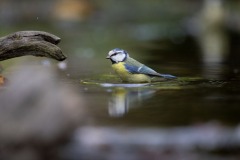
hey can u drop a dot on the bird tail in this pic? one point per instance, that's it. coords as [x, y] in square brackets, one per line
[167, 76]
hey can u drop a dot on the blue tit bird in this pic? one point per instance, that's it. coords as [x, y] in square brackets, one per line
[130, 70]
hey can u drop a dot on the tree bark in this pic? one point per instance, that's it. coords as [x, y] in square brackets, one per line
[36, 43]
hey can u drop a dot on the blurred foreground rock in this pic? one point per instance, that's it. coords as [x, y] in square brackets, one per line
[207, 142]
[37, 112]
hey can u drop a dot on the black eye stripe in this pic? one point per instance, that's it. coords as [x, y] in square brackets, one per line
[114, 54]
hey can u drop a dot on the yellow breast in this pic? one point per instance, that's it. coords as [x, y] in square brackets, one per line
[125, 76]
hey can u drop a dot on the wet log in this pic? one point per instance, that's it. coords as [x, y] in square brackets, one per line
[36, 43]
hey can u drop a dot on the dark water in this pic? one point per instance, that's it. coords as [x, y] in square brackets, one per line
[185, 101]
[194, 111]
[193, 117]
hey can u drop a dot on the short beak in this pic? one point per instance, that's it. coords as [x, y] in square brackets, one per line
[108, 57]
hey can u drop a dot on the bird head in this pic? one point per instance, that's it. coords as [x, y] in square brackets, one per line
[117, 55]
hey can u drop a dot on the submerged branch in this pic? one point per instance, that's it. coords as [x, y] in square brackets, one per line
[36, 43]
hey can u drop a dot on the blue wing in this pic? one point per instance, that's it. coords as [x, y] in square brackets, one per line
[146, 70]
[132, 69]
[140, 70]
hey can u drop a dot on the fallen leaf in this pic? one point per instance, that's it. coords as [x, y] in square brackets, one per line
[2, 80]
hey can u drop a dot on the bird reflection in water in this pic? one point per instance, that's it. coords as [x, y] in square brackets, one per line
[123, 99]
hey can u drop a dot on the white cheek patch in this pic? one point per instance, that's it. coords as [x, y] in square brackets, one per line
[118, 57]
